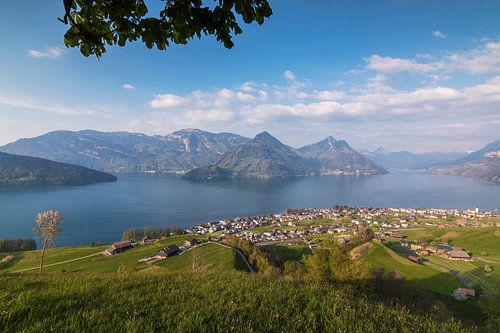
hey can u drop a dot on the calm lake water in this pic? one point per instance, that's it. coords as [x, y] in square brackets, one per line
[100, 213]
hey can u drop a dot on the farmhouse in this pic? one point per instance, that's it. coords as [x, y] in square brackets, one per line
[168, 251]
[458, 255]
[415, 259]
[118, 247]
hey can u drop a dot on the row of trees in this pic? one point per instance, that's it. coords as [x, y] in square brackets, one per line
[261, 261]
[151, 232]
[19, 244]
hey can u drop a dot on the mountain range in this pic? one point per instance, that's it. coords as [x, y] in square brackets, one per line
[184, 150]
[18, 170]
[483, 163]
[405, 160]
[264, 156]
[129, 152]
[226, 155]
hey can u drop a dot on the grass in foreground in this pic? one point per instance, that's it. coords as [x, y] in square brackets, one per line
[239, 302]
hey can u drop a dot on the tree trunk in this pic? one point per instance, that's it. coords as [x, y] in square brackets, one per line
[43, 253]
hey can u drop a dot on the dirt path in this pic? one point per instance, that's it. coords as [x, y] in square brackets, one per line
[58, 263]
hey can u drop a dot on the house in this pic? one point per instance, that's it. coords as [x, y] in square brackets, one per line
[415, 259]
[462, 294]
[118, 247]
[423, 253]
[459, 255]
[190, 242]
[168, 251]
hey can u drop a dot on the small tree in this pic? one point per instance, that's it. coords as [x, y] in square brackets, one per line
[197, 263]
[48, 225]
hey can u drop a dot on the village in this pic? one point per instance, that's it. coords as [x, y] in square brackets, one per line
[306, 227]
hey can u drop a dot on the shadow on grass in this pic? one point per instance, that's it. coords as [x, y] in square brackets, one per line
[286, 253]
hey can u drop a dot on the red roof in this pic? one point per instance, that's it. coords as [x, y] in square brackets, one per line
[122, 244]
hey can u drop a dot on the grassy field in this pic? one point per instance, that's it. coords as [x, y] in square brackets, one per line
[439, 281]
[194, 302]
[470, 272]
[213, 257]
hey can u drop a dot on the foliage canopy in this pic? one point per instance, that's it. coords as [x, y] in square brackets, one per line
[94, 24]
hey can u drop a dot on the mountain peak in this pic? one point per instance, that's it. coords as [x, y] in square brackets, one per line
[380, 150]
[265, 137]
[330, 139]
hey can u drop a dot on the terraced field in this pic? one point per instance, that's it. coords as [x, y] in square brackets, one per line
[469, 271]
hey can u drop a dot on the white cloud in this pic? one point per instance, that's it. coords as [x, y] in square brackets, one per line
[167, 101]
[289, 75]
[481, 60]
[394, 65]
[438, 34]
[51, 53]
[128, 86]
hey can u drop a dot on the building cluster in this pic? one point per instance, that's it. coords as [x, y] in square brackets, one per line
[443, 250]
[342, 219]
[276, 235]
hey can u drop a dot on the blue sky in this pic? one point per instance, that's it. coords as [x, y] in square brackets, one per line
[413, 75]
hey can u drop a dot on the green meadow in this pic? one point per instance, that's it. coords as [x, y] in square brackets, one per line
[195, 302]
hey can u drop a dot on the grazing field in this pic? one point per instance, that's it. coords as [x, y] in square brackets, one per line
[212, 257]
[439, 281]
[187, 302]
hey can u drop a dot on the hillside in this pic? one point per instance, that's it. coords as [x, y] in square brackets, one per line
[18, 170]
[264, 157]
[332, 156]
[156, 302]
[482, 164]
[89, 259]
[129, 152]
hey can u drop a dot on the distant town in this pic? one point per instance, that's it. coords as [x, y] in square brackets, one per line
[341, 220]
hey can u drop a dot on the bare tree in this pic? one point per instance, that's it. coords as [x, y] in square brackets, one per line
[197, 262]
[48, 225]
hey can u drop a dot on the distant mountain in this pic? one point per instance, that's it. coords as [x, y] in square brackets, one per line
[332, 156]
[488, 151]
[264, 157]
[404, 160]
[483, 164]
[18, 170]
[129, 152]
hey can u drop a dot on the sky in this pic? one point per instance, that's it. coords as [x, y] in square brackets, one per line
[406, 75]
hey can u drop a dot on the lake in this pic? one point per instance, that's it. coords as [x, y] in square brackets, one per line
[101, 212]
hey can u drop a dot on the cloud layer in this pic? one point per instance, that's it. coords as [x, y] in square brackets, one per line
[433, 114]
